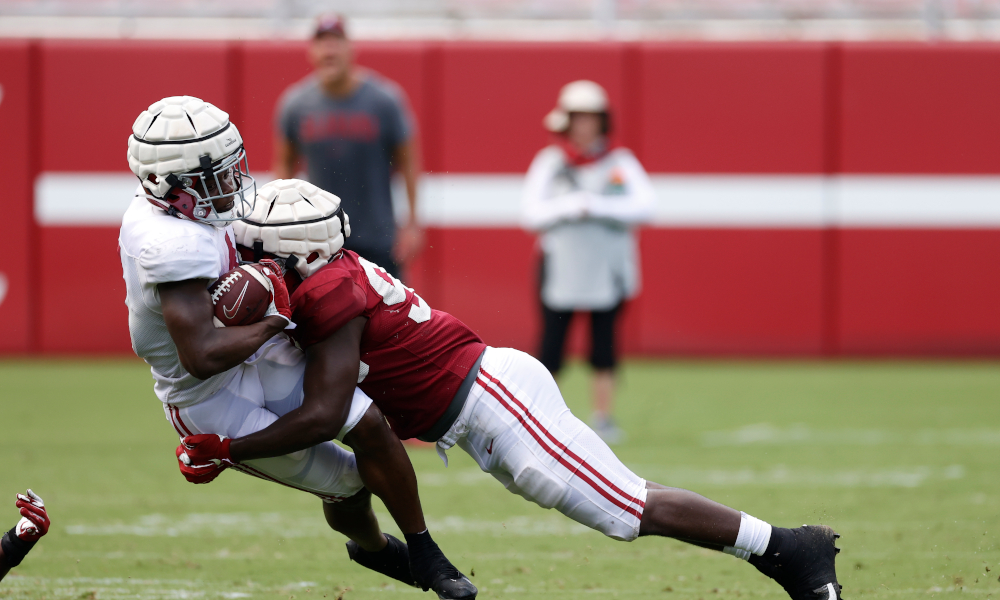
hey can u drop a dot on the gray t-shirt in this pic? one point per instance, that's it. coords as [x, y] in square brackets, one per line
[348, 144]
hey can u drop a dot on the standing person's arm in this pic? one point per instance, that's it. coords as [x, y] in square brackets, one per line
[409, 237]
[633, 207]
[286, 148]
[286, 158]
[539, 210]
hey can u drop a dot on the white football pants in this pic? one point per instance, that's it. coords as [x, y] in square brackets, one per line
[265, 387]
[518, 428]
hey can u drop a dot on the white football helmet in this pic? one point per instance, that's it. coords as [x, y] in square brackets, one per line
[195, 157]
[292, 220]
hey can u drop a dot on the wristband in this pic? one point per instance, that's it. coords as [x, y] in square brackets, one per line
[14, 548]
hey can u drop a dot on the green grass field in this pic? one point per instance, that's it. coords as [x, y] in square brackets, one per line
[901, 458]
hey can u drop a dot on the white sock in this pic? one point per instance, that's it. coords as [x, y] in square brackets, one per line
[753, 538]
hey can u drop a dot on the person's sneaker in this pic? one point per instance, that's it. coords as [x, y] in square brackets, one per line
[803, 562]
[391, 561]
[608, 430]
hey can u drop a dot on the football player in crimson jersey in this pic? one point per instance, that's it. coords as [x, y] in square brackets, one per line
[175, 239]
[21, 538]
[434, 379]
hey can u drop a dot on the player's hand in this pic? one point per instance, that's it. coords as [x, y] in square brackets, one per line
[202, 458]
[280, 304]
[34, 521]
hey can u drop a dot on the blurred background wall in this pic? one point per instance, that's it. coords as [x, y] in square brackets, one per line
[813, 198]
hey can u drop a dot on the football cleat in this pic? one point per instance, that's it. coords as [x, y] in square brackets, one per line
[392, 561]
[804, 563]
[435, 572]
[451, 584]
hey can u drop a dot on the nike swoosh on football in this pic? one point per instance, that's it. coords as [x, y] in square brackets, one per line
[230, 314]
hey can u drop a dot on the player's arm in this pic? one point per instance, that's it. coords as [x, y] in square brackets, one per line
[331, 375]
[205, 350]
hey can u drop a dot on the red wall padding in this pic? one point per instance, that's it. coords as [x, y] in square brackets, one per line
[733, 108]
[91, 93]
[918, 291]
[81, 293]
[17, 156]
[683, 108]
[742, 291]
[910, 108]
[493, 98]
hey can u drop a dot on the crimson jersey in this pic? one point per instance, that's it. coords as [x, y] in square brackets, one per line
[413, 358]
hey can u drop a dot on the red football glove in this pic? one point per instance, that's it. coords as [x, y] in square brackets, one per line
[202, 457]
[34, 521]
[281, 304]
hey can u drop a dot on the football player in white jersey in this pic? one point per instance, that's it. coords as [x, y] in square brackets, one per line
[175, 240]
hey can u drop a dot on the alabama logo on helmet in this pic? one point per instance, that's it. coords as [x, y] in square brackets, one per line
[295, 220]
[191, 162]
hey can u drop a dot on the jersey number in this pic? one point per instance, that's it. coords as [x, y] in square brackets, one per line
[393, 291]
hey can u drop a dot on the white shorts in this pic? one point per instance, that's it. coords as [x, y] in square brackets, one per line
[264, 388]
[517, 427]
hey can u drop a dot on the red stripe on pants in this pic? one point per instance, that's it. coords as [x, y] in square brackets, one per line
[624, 496]
[629, 509]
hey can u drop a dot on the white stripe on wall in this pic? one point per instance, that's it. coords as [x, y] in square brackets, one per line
[490, 200]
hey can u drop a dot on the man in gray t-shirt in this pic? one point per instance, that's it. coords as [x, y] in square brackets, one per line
[353, 128]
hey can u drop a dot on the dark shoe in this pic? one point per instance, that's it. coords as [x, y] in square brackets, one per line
[391, 561]
[453, 585]
[802, 561]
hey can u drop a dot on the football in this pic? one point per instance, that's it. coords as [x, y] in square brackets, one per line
[241, 296]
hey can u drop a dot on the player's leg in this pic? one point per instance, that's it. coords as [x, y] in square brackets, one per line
[525, 436]
[385, 468]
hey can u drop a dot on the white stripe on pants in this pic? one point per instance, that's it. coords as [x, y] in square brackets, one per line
[518, 428]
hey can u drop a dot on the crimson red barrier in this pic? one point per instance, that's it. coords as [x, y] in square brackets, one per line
[81, 293]
[740, 291]
[911, 108]
[733, 108]
[91, 93]
[493, 98]
[759, 109]
[919, 292]
[17, 157]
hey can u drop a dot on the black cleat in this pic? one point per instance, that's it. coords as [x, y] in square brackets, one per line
[432, 570]
[803, 562]
[450, 584]
[391, 561]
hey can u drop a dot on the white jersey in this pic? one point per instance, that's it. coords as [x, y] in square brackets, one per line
[155, 248]
[586, 215]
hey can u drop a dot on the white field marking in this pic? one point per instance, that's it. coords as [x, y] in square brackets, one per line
[294, 525]
[801, 434]
[151, 589]
[493, 200]
[4, 286]
[308, 525]
[780, 475]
